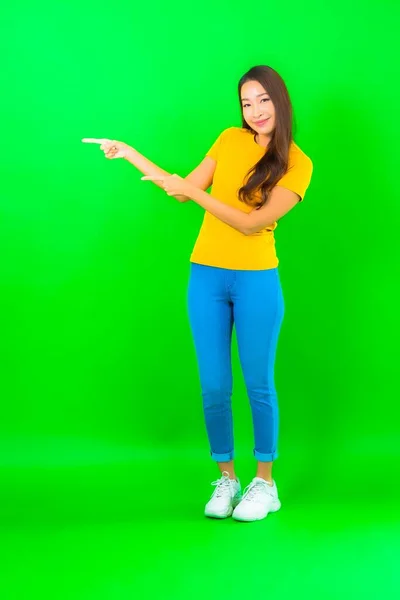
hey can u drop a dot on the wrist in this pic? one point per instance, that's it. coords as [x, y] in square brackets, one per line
[128, 152]
[191, 191]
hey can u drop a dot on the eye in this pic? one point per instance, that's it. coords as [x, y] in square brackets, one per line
[266, 99]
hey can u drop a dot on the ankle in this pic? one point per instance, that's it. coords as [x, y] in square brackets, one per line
[230, 474]
[269, 480]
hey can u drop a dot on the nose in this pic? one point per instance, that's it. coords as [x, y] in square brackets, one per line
[256, 112]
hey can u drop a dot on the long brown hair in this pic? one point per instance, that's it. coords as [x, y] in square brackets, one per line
[274, 163]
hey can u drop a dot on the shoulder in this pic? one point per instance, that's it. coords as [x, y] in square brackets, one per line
[239, 132]
[298, 175]
[235, 133]
[298, 158]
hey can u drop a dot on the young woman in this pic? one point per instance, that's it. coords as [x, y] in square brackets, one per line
[258, 174]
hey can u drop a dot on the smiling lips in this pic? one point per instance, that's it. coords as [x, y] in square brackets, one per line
[260, 123]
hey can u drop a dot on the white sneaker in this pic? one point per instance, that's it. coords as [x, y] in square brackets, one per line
[225, 498]
[258, 500]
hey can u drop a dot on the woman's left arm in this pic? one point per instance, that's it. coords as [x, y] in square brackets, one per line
[280, 201]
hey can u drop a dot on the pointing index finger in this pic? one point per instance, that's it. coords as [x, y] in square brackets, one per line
[94, 141]
[152, 178]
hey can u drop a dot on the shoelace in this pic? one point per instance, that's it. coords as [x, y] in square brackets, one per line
[223, 486]
[255, 488]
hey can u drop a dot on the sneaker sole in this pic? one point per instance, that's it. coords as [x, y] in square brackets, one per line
[229, 514]
[274, 508]
[216, 516]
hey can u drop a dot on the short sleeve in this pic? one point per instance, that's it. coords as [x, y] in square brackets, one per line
[214, 151]
[298, 176]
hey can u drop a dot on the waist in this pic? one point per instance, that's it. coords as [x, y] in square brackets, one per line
[233, 250]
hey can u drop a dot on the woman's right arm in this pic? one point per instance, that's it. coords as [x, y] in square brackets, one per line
[201, 177]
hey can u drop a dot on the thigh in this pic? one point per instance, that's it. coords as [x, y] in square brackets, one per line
[258, 315]
[211, 321]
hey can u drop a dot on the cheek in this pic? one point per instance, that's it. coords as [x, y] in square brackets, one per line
[247, 114]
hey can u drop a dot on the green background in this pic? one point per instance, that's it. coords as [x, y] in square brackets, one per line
[104, 462]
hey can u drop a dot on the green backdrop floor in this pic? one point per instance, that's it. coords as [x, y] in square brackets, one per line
[136, 529]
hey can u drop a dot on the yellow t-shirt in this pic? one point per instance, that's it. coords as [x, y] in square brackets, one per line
[220, 245]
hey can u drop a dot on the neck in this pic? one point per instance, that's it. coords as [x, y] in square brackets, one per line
[263, 140]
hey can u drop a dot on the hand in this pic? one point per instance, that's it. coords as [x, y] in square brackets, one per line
[173, 185]
[111, 148]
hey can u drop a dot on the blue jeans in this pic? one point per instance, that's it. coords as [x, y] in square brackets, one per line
[253, 301]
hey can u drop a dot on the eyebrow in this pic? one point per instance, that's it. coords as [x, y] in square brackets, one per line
[258, 95]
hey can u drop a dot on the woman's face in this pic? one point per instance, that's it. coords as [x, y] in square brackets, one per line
[258, 110]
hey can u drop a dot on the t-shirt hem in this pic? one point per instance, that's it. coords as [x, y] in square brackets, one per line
[235, 266]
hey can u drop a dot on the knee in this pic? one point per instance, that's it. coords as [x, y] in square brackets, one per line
[262, 394]
[216, 395]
